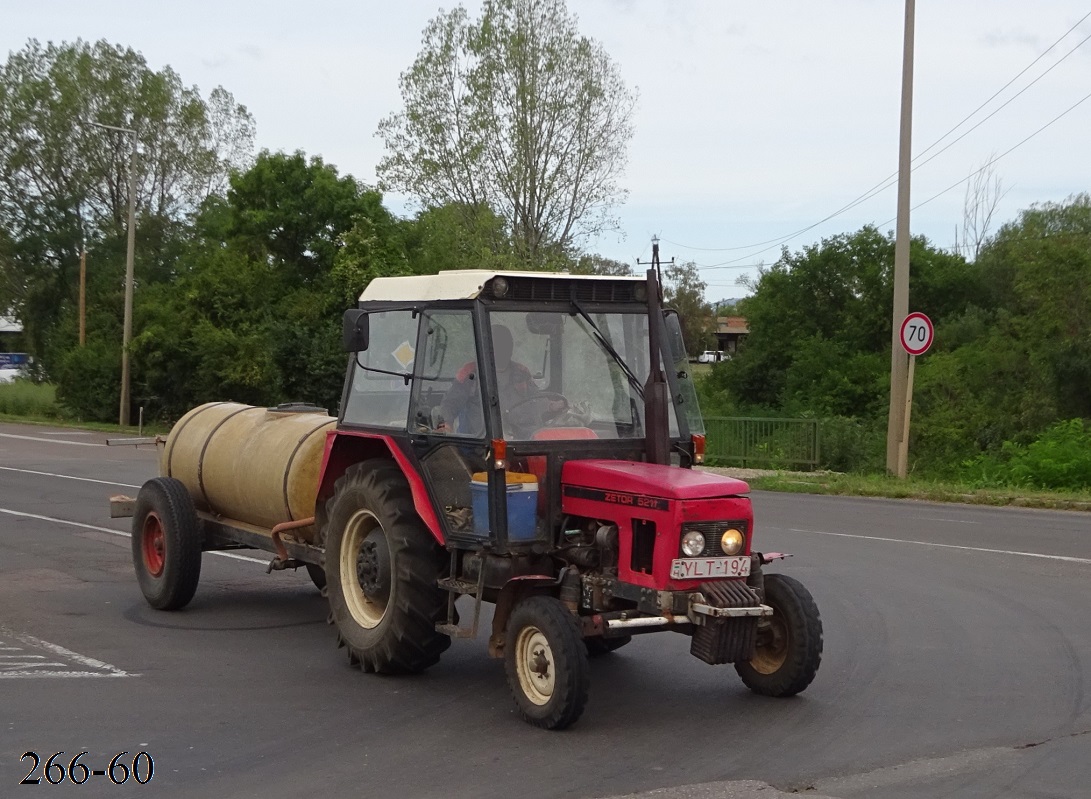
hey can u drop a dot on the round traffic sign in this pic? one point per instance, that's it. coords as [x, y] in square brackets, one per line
[917, 333]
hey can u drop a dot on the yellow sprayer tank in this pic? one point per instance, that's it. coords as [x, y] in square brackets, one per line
[254, 465]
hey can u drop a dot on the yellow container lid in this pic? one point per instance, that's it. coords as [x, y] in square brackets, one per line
[513, 477]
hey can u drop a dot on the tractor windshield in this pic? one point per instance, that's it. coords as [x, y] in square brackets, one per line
[574, 375]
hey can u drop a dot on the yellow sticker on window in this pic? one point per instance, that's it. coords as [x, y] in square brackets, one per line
[404, 354]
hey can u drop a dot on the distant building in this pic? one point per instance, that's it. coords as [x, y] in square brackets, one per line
[730, 330]
[11, 334]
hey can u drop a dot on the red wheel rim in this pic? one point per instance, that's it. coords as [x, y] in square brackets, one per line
[153, 543]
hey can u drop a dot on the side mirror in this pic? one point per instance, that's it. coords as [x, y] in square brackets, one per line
[355, 334]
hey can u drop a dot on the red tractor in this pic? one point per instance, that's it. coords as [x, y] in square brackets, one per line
[522, 439]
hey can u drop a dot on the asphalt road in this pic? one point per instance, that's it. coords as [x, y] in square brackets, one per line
[957, 663]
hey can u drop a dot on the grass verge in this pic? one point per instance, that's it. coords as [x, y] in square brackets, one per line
[24, 398]
[915, 488]
[24, 402]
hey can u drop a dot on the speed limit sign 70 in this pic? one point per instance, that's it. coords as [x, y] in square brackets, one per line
[917, 333]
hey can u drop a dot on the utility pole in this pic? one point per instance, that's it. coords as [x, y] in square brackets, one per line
[899, 361]
[83, 281]
[127, 327]
[654, 262]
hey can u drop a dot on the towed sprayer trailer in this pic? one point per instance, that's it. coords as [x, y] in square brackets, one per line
[522, 439]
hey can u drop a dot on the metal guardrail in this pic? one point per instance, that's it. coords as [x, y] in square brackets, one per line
[753, 441]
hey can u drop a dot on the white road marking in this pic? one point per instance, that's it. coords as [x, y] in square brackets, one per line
[68, 433]
[52, 440]
[68, 477]
[31, 665]
[112, 531]
[1065, 558]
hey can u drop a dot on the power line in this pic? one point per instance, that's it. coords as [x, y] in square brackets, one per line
[968, 177]
[955, 185]
[886, 182]
[978, 171]
[725, 265]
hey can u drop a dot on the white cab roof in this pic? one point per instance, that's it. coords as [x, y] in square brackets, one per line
[458, 284]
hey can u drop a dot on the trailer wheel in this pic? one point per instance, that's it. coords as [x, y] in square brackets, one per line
[789, 642]
[599, 646]
[166, 542]
[546, 663]
[382, 568]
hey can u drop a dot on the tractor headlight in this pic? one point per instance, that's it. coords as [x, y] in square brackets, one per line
[732, 541]
[693, 544]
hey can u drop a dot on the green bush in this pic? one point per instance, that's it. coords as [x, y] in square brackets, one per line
[1060, 458]
[25, 398]
[89, 381]
[849, 444]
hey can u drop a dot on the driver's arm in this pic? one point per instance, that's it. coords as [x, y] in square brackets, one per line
[456, 400]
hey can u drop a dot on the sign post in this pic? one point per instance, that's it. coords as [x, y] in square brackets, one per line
[916, 336]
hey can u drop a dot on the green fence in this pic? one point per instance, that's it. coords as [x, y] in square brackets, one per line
[770, 443]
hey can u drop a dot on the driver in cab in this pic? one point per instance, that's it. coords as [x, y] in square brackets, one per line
[514, 381]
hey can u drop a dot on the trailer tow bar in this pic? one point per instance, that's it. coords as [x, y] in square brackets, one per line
[282, 561]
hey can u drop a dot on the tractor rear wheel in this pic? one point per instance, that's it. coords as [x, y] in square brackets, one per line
[166, 544]
[382, 568]
[789, 642]
[546, 663]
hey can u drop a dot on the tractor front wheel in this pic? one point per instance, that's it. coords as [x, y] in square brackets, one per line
[382, 570]
[166, 544]
[546, 663]
[789, 646]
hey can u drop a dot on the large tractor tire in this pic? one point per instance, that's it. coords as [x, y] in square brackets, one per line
[166, 539]
[546, 663]
[789, 642]
[382, 566]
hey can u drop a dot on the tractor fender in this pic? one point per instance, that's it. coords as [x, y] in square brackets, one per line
[346, 447]
[515, 590]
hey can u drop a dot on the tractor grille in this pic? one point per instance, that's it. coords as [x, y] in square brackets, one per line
[727, 640]
[730, 594]
[589, 291]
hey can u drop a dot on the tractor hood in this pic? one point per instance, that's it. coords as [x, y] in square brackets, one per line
[650, 479]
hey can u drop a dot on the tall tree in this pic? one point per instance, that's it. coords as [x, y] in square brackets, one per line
[600, 265]
[984, 191]
[1044, 257]
[256, 310]
[63, 180]
[518, 112]
[820, 322]
[685, 292]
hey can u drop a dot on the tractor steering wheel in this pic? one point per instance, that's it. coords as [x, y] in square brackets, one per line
[525, 416]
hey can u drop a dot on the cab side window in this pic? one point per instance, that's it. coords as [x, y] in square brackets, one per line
[379, 394]
[448, 394]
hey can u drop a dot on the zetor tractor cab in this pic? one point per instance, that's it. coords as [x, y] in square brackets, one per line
[522, 439]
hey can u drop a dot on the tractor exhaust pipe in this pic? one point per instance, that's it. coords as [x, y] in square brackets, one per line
[656, 391]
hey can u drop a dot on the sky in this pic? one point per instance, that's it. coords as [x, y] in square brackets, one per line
[755, 121]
